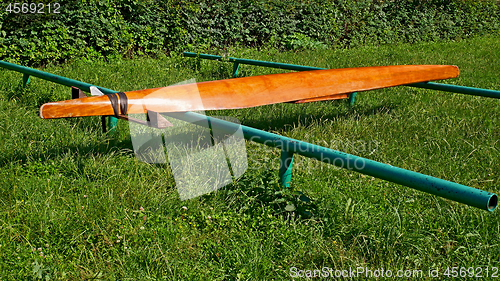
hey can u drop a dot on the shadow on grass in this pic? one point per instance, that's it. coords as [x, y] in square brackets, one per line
[306, 119]
[101, 147]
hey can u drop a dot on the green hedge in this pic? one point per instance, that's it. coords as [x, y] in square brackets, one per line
[116, 28]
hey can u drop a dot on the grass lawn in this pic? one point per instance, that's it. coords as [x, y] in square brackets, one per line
[76, 204]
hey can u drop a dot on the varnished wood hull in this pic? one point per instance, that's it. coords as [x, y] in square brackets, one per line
[305, 86]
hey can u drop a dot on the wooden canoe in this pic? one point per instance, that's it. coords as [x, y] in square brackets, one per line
[305, 86]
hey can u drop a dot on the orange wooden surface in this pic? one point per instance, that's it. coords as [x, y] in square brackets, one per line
[252, 91]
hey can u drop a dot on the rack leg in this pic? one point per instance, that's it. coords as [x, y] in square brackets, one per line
[352, 98]
[236, 67]
[111, 123]
[286, 165]
[26, 79]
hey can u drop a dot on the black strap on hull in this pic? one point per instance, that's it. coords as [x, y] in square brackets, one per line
[120, 106]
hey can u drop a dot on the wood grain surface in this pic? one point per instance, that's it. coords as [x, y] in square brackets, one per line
[305, 86]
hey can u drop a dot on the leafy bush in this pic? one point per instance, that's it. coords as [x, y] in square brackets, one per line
[124, 28]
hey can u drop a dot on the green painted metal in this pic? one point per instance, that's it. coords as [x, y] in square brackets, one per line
[275, 64]
[27, 72]
[458, 89]
[203, 56]
[26, 79]
[446, 189]
[352, 98]
[286, 167]
[236, 67]
[254, 62]
[112, 124]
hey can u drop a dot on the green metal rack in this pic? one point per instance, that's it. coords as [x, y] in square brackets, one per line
[446, 189]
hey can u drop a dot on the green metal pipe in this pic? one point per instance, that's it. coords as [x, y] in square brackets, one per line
[27, 72]
[236, 67]
[203, 56]
[464, 194]
[112, 123]
[286, 168]
[26, 79]
[352, 98]
[275, 64]
[458, 89]
[255, 62]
